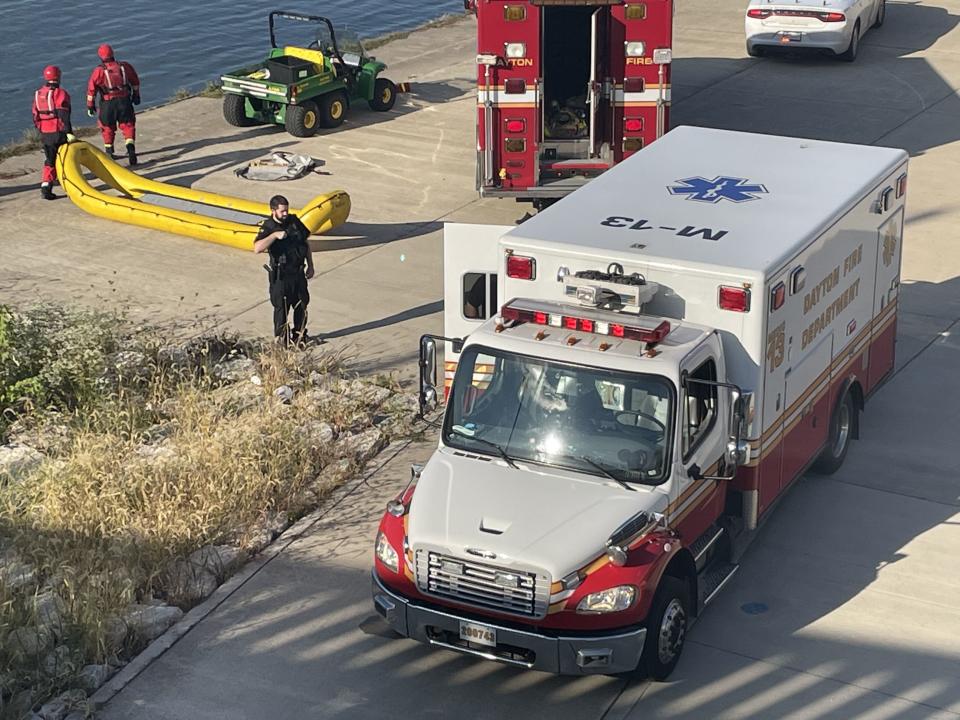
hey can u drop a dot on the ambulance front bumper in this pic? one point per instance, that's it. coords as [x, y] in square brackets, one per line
[613, 652]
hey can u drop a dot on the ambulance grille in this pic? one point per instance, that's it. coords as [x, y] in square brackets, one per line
[506, 590]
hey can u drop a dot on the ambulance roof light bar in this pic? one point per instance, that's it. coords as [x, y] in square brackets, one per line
[571, 318]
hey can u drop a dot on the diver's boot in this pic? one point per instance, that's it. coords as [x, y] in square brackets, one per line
[46, 192]
[131, 155]
[108, 149]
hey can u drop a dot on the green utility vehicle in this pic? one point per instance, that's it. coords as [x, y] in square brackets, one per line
[306, 88]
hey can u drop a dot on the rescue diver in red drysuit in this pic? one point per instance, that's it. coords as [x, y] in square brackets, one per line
[51, 116]
[118, 85]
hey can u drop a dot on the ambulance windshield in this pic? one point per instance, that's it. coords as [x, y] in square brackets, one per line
[592, 420]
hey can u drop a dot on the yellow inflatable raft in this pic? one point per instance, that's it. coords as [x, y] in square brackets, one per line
[161, 206]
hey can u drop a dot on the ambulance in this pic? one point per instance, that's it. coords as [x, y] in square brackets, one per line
[636, 376]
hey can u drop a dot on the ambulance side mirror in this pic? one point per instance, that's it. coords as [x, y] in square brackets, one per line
[429, 396]
[736, 450]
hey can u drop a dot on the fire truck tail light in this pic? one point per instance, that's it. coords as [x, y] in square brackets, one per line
[632, 144]
[515, 50]
[514, 86]
[513, 13]
[521, 268]
[634, 84]
[515, 145]
[516, 126]
[635, 12]
[633, 124]
[635, 48]
[736, 299]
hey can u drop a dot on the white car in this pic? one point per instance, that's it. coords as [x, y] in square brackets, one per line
[836, 26]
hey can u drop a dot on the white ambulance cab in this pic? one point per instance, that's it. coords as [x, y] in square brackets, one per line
[636, 375]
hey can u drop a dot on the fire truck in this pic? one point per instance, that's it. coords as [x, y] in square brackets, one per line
[637, 375]
[566, 90]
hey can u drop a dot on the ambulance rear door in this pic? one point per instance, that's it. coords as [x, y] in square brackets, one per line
[470, 282]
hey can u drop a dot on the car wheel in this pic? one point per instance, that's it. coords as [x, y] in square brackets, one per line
[302, 120]
[851, 54]
[881, 14]
[838, 441]
[666, 628]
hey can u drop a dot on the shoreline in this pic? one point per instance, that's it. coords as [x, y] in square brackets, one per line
[29, 140]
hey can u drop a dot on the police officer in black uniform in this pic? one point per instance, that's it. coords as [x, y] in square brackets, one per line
[291, 265]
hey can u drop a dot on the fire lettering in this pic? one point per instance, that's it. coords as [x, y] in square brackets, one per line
[830, 312]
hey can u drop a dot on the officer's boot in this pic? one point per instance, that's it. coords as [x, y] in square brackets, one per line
[131, 154]
[46, 192]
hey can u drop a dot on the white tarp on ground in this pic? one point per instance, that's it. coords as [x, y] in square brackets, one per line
[278, 166]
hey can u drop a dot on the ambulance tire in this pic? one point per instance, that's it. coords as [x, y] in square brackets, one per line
[235, 111]
[666, 629]
[842, 426]
[854, 48]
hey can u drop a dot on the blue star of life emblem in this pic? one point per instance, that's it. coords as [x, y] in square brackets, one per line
[720, 188]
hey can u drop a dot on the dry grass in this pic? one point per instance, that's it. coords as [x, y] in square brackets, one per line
[167, 462]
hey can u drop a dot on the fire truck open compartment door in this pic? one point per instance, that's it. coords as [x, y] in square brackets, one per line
[597, 95]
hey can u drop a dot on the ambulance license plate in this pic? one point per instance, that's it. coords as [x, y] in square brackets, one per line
[479, 634]
[790, 37]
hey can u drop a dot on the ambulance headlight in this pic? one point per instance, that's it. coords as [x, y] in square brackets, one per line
[515, 50]
[386, 554]
[635, 49]
[611, 600]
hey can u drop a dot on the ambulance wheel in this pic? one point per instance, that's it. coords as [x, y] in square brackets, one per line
[666, 628]
[854, 48]
[384, 95]
[235, 111]
[841, 432]
[333, 109]
[302, 120]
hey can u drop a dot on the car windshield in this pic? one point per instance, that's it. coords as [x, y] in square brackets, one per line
[593, 420]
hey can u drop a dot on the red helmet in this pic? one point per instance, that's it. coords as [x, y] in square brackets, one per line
[105, 52]
[51, 73]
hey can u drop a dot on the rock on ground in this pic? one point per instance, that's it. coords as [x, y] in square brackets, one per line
[17, 461]
[150, 621]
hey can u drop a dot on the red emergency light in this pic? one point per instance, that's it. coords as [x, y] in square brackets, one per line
[633, 124]
[510, 313]
[516, 126]
[521, 268]
[736, 299]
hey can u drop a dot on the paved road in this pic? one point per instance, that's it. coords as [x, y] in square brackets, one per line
[845, 607]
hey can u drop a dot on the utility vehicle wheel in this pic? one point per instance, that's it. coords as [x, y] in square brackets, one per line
[851, 54]
[333, 109]
[302, 120]
[666, 628]
[841, 432]
[384, 95]
[235, 111]
[881, 14]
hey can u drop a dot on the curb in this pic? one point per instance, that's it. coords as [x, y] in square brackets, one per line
[168, 639]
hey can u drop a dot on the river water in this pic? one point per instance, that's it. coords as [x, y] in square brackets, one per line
[173, 44]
